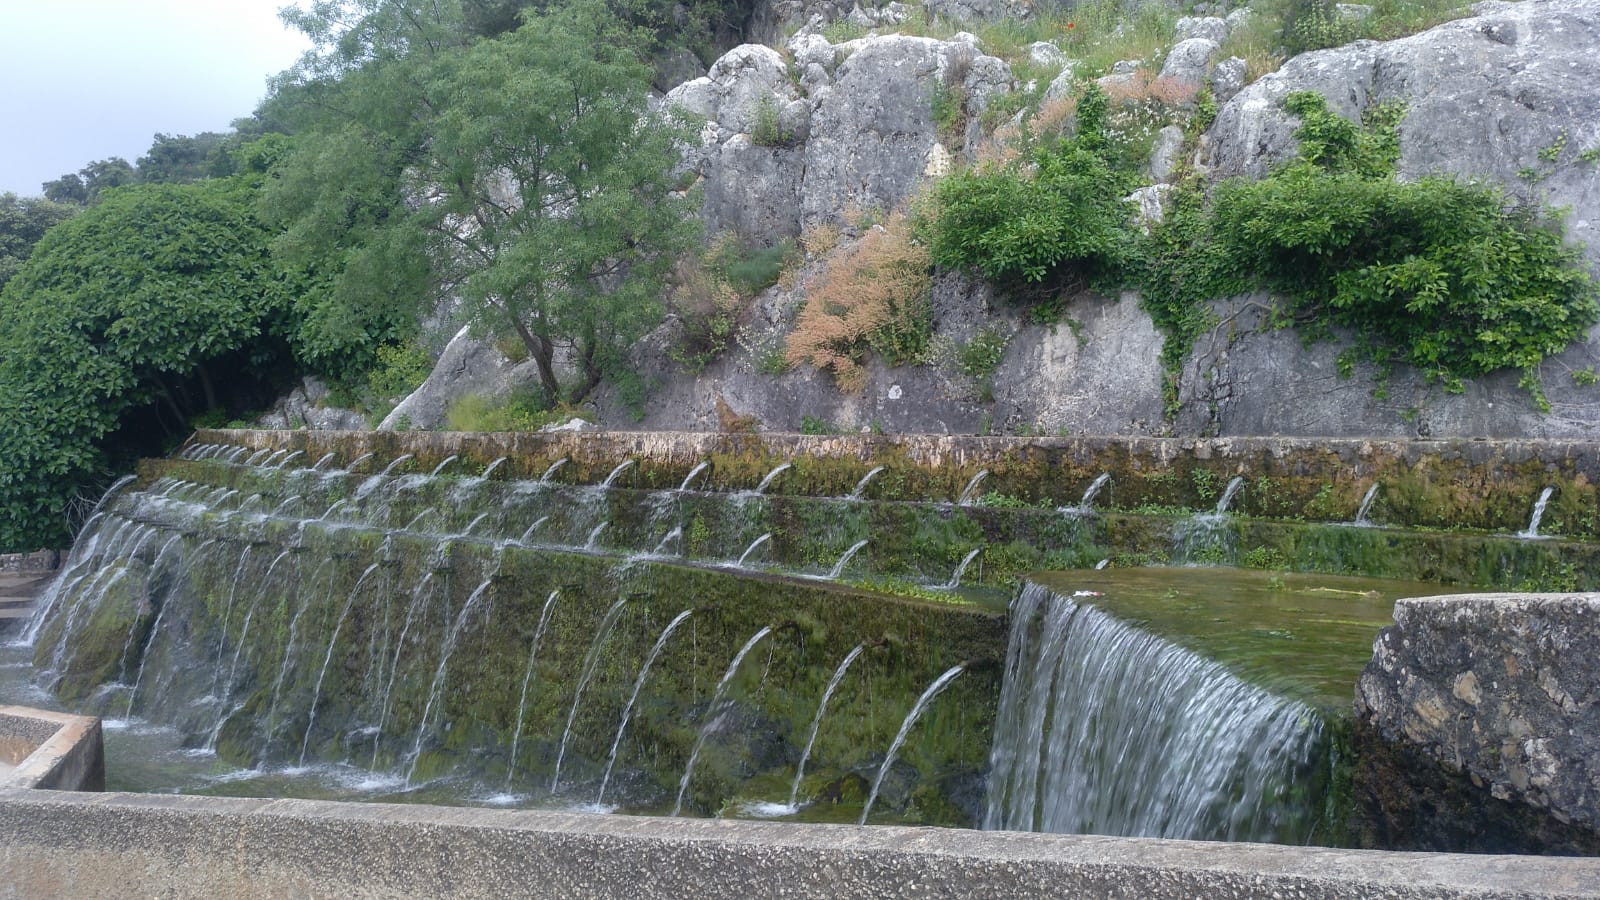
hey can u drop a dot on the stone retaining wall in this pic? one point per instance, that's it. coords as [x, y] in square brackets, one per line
[50, 750]
[121, 844]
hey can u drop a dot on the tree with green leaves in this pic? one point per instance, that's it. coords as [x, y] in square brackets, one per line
[521, 175]
[130, 318]
[23, 221]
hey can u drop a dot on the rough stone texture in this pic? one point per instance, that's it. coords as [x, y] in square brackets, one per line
[40, 561]
[1211, 28]
[63, 752]
[855, 126]
[468, 365]
[1483, 96]
[1227, 78]
[979, 10]
[115, 844]
[1166, 153]
[1189, 61]
[304, 407]
[1499, 689]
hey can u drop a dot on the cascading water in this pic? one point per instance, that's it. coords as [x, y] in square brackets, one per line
[627, 711]
[1532, 531]
[1086, 505]
[316, 693]
[713, 713]
[771, 476]
[689, 479]
[970, 492]
[955, 578]
[860, 491]
[590, 663]
[527, 678]
[616, 473]
[551, 472]
[752, 548]
[838, 567]
[816, 722]
[1106, 729]
[1363, 512]
[450, 640]
[439, 469]
[939, 684]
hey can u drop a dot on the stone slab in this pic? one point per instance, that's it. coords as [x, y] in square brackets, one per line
[55, 844]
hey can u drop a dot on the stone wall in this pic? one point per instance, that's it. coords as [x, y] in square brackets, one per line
[50, 751]
[117, 844]
[1480, 724]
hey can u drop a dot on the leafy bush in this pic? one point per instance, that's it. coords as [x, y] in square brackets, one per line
[874, 295]
[126, 321]
[1060, 225]
[522, 410]
[1451, 277]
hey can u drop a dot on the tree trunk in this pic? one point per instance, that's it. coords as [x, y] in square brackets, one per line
[542, 351]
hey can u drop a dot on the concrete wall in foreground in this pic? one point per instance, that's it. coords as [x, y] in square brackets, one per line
[50, 750]
[54, 844]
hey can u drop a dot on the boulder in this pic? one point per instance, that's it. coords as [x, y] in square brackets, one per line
[1209, 27]
[469, 365]
[307, 407]
[1189, 61]
[1497, 693]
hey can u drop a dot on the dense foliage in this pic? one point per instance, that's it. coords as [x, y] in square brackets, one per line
[1058, 221]
[128, 319]
[1451, 277]
[518, 175]
[23, 221]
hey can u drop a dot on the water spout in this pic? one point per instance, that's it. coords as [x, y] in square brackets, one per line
[550, 472]
[970, 492]
[644, 672]
[1538, 513]
[326, 458]
[838, 567]
[438, 674]
[489, 470]
[816, 722]
[752, 548]
[526, 535]
[527, 676]
[442, 466]
[933, 691]
[290, 458]
[861, 486]
[357, 461]
[689, 479]
[397, 463]
[676, 534]
[1365, 510]
[594, 537]
[712, 712]
[955, 580]
[1227, 494]
[590, 662]
[316, 693]
[767, 481]
[1093, 490]
[611, 479]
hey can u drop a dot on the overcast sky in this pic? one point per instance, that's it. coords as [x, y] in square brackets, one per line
[82, 80]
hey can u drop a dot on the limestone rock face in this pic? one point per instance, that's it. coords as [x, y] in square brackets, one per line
[305, 407]
[1483, 96]
[848, 125]
[468, 365]
[979, 10]
[1500, 689]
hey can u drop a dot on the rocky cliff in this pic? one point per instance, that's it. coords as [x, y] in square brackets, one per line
[820, 132]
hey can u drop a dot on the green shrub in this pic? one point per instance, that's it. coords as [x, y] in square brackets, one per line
[1058, 226]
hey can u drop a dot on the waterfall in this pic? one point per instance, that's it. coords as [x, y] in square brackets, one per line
[1538, 513]
[712, 714]
[418, 600]
[933, 691]
[816, 722]
[970, 492]
[627, 711]
[861, 486]
[1365, 509]
[591, 661]
[1086, 505]
[1106, 729]
[527, 676]
[1233, 487]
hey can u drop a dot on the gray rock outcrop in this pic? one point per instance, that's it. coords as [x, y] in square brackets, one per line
[307, 407]
[853, 127]
[469, 365]
[1500, 690]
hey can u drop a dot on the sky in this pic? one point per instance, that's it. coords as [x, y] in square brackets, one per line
[82, 80]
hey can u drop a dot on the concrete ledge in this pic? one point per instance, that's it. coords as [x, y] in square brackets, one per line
[50, 750]
[55, 844]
